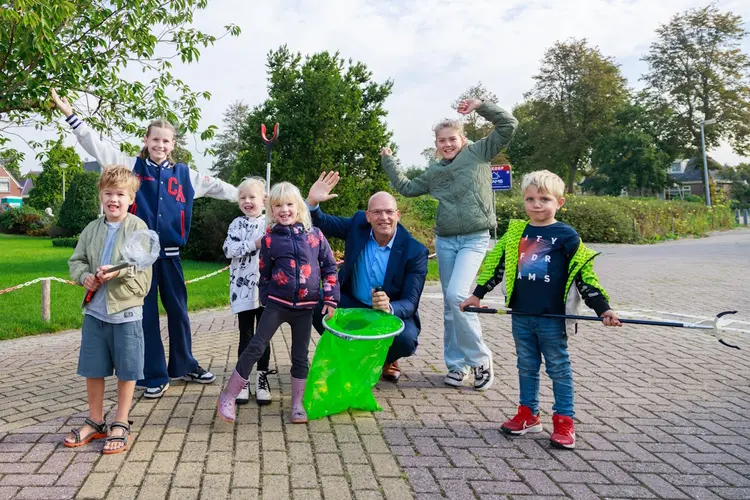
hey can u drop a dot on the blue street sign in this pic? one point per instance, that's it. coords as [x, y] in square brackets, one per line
[501, 177]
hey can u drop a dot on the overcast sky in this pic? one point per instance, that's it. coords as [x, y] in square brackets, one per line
[431, 49]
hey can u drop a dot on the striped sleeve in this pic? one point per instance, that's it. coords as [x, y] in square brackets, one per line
[493, 270]
[105, 153]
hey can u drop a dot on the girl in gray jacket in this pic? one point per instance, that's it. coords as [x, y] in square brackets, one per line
[461, 180]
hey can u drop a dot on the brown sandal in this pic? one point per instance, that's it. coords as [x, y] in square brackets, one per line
[123, 439]
[99, 432]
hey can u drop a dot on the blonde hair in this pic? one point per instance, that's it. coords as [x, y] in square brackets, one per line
[143, 155]
[250, 182]
[451, 123]
[545, 181]
[118, 176]
[284, 192]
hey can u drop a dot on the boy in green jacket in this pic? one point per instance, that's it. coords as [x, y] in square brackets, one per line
[112, 335]
[542, 259]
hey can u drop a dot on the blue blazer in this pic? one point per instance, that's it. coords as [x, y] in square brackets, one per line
[407, 264]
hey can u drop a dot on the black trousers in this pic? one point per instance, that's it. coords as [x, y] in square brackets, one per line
[248, 320]
[274, 315]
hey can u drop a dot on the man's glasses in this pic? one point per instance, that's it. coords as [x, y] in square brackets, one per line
[377, 213]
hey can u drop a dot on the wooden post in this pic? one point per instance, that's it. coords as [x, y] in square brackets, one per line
[45, 300]
[745, 216]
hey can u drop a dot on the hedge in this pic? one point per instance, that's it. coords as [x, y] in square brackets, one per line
[607, 219]
[598, 219]
[208, 230]
[65, 242]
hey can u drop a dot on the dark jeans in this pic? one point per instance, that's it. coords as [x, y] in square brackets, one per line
[274, 315]
[404, 345]
[248, 320]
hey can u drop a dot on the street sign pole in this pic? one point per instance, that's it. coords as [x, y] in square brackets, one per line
[501, 181]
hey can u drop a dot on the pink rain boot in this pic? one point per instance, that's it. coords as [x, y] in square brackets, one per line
[226, 405]
[299, 416]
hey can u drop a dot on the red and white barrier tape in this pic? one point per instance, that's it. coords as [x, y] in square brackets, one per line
[51, 278]
[68, 282]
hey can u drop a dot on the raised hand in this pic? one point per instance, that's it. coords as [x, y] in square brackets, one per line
[386, 152]
[321, 190]
[467, 106]
[61, 103]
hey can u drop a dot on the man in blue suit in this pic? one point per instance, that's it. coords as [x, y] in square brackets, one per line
[379, 253]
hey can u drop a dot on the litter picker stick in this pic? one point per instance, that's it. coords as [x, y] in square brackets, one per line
[269, 144]
[140, 250]
[716, 325]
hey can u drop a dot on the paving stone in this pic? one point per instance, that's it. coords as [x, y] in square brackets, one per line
[649, 425]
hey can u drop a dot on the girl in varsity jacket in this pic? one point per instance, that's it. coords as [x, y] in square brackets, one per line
[165, 202]
[297, 270]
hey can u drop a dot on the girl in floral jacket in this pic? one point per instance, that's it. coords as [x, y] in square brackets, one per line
[296, 267]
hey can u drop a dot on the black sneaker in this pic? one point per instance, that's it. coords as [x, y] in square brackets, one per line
[200, 376]
[483, 377]
[156, 392]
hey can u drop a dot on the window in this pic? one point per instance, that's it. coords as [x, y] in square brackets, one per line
[686, 189]
[676, 167]
[5, 185]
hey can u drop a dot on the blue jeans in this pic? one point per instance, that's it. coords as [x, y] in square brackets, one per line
[459, 258]
[535, 337]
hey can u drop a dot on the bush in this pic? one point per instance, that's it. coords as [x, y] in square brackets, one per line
[65, 242]
[211, 219]
[598, 219]
[81, 204]
[24, 220]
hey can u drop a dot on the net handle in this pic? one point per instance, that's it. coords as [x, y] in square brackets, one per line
[347, 336]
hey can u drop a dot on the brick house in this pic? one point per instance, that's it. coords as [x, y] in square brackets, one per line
[687, 176]
[9, 187]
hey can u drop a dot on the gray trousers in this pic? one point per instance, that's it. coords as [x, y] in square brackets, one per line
[274, 315]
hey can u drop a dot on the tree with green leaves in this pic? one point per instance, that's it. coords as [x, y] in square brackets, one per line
[740, 177]
[697, 67]
[181, 153]
[81, 204]
[83, 47]
[331, 117]
[475, 127]
[574, 101]
[10, 160]
[228, 143]
[47, 191]
[633, 155]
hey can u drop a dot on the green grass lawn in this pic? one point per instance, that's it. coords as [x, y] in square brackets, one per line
[23, 259]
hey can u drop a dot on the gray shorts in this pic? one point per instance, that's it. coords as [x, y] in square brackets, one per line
[109, 346]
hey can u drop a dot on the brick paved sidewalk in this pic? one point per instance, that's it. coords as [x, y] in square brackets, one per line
[661, 414]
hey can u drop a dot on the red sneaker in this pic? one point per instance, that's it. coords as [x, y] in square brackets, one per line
[523, 422]
[564, 433]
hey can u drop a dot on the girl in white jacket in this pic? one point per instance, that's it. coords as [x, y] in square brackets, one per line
[242, 246]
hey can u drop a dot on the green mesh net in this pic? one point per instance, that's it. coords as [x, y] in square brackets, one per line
[348, 361]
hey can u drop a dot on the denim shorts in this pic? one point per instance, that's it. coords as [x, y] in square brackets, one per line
[108, 347]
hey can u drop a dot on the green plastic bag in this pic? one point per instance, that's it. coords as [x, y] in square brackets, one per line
[348, 361]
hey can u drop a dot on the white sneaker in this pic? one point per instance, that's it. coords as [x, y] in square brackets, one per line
[156, 392]
[454, 378]
[262, 388]
[244, 396]
[483, 376]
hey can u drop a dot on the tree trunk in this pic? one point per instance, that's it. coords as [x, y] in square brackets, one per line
[571, 179]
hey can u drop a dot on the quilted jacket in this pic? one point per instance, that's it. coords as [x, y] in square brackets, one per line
[463, 186]
[296, 266]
